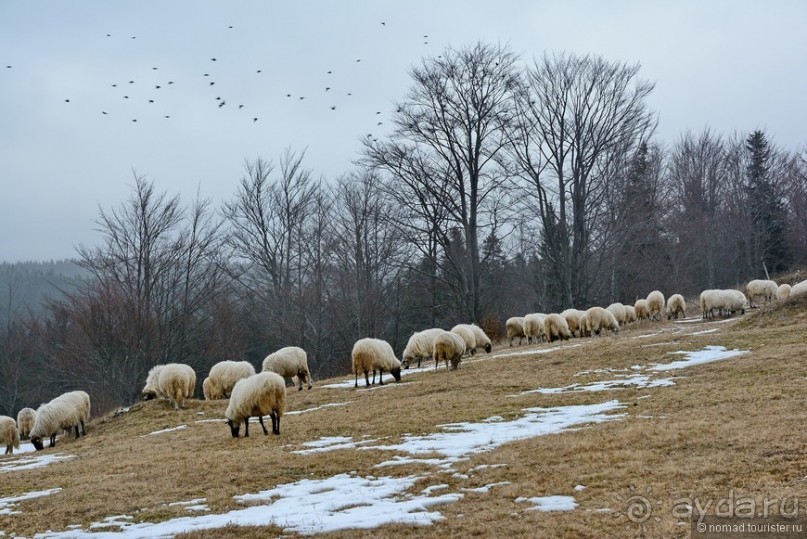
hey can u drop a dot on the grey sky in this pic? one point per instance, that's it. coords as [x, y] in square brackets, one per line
[731, 65]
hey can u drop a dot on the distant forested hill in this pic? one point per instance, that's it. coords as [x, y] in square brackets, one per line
[24, 286]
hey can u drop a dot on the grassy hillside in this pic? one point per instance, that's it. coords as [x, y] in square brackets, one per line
[731, 426]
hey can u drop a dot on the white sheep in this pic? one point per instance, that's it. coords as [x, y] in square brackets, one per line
[25, 422]
[585, 329]
[420, 345]
[223, 376]
[534, 327]
[556, 327]
[448, 347]
[66, 412]
[725, 302]
[598, 319]
[374, 355]
[761, 288]
[289, 362]
[572, 317]
[515, 328]
[467, 334]
[175, 381]
[676, 304]
[630, 314]
[642, 309]
[618, 310]
[707, 303]
[783, 292]
[9, 435]
[798, 288]
[257, 395]
[655, 304]
[481, 338]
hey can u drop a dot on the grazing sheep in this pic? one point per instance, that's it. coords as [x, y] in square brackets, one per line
[534, 327]
[515, 328]
[467, 334]
[66, 412]
[630, 314]
[9, 435]
[655, 304]
[555, 327]
[761, 288]
[223, 376]
[257, 395]
[448, 347]
[676, 304]
[707, 303]
[618, 310]
[572, 317]
[726, 302]
[374, 354]
[289, 362]
[25, 422]
[799, 288]
[598, 319]
[585, 328]
[642, 309]
[420, 345]
[783, 292]
[175, 381]
[481, 338]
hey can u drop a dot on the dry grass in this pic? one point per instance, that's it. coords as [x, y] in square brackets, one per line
[734, 425]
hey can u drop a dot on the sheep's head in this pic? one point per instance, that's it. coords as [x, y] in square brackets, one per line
[148, 394]
[234, 427]
[488, 348]
[37, 443]
[396, 373]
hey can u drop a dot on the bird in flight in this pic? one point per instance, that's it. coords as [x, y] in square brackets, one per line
[67, 101]
[212, 83]
[333, 107]
[212, 59]
[222, 103]
[240, 106]
[254, 120]
[103, 112]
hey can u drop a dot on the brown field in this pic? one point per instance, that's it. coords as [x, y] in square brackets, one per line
[730, 428]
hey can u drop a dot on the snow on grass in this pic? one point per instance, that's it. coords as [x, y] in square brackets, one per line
[530, 352]
[636, 381]
[181, 427]
[459, 441]
[699, 357]
[550, 503]
[579, 488]
[7, 505]
[331, 443]
[28, 463]
[330, 405]
[485, 489]
[117, 521]
[646, 335]
[704, 332]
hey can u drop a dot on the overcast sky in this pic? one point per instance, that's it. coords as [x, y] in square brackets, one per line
[732, 66]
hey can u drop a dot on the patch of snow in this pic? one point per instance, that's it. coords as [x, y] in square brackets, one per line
[401, 461]
[579, 488]
[428, 490]
[7, 505]
[699, 357]
[486, 466]
[531, 352]
[646, 335]
[199, 507]
[28, 463]
[330, 405]
[600, 371]
[331, 443]
[485, 489]
[210, 421]
[117, 521]
[638, 381]
[550, 503]
[704, 332]
[189, 502]
[658, 344]
[181, 427]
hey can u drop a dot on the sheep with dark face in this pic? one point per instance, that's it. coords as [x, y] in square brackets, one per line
[289, 362]
[374, 355]
[676, 304]
[420, 345]
[257, 395]
[223, 377]
[66, 412]
[174, 381]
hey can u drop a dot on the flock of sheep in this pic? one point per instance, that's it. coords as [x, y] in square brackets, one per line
[260, 394]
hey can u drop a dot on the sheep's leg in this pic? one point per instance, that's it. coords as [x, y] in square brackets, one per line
[83, 430]
[356, 381]
[246, 427]
[52, 440]
[367, 379]
[420, 358]
[380, 376]
[275, 423]
[260, 420]
[77, 434]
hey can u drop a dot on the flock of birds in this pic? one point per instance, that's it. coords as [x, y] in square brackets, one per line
[151, 92]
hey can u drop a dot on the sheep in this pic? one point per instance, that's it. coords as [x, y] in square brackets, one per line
[65, 412]
[572, 317]
[9, 435]
[448, 347]
[25, 422]
[618, 310]
[420, 345]
[515, 328]
[481, 338]
[598, 319]
[725, 301]
[174, 381]
[676, 304]
[630, 314]
[707, 303]
[257, 395]
[289, 362]
[374, 354]
[534, 327]
[655, 304]
[761, 288]
[642, 309]
[555, 327]
[783, 292]
[467, 334]
[798, 288]
[585, 328]
[223, 376]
